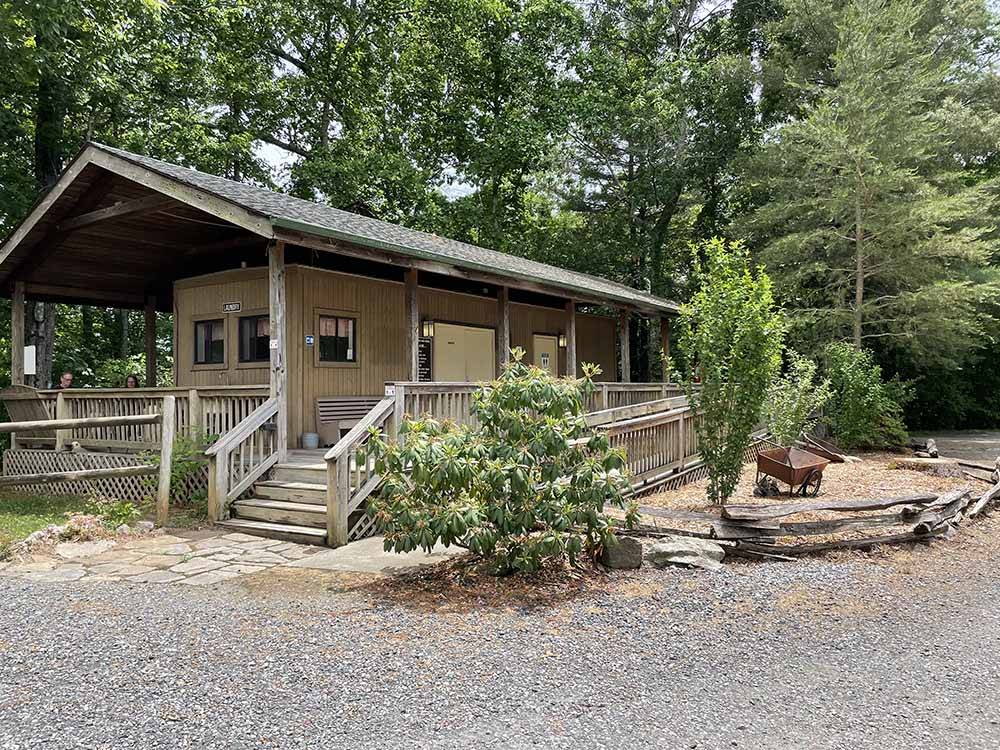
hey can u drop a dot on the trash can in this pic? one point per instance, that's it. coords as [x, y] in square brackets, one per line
[310, 441]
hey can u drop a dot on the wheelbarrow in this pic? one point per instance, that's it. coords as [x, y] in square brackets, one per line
[794, 467]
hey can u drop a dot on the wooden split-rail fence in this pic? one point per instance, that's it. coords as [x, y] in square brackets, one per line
[165, 421]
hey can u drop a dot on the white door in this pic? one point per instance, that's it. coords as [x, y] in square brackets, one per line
[464, 353]
[546, 351]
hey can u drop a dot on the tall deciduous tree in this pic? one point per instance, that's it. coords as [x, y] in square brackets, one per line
[872, 229]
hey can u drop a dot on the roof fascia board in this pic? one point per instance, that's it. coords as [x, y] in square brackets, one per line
[199, 199]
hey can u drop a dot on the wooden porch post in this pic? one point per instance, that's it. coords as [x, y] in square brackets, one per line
[571, 338]
[413, 324]
[150, 342]
[279, 343]
[503, 327]
[665, 346]
[623, 346]
[17, 334]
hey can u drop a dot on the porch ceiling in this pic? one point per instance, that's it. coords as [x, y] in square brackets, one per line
[108, 240]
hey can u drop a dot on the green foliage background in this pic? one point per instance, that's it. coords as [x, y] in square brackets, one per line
[606, 137]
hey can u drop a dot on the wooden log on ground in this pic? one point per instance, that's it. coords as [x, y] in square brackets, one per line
[984, 500]
[806, 549]
[765, 512]
[66, 424]
[934, 517]
[978, 475]
[729, 530]
[78, 475]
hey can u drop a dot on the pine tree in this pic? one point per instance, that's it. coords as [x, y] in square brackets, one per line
[872, 230]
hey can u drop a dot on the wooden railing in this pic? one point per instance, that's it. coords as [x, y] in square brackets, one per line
[241, 456]
[163, 418]
[453, 401]
[205, 411]
[612, 395]
[350, 475]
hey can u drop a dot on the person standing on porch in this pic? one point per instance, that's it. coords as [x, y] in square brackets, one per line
[65, 380]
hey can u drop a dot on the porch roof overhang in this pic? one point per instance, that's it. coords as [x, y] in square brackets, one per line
[118, 227]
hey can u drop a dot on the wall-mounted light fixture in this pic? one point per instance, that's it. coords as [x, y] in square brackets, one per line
[427, 329]
[562, 340]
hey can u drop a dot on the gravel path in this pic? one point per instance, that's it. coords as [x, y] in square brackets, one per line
[899, 652]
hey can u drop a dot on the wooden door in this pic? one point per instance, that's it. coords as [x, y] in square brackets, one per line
[463, 353]
[546, 353]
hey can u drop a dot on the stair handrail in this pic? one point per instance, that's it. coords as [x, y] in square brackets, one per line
[341, 497]
[226, 482]
[360, 431]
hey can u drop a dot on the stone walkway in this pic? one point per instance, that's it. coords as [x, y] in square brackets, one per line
[162, 558]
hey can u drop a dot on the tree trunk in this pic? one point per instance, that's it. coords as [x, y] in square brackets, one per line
[41, 318]
[123, 315]
[859, 272]
[49, 116]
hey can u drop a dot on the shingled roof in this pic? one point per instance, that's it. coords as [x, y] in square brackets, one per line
[285, 211]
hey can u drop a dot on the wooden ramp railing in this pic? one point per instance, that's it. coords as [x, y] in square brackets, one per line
[658, 437]
[241, 457]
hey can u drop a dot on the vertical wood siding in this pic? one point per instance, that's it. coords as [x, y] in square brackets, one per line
[380, 309]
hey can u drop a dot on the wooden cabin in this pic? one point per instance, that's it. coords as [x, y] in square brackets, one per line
[303, 315]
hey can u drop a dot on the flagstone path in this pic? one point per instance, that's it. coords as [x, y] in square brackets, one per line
[163, 558]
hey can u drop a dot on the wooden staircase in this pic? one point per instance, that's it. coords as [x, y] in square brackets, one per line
[291, 505]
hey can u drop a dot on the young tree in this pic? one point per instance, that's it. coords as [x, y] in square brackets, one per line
[730, 336]
[872, 229]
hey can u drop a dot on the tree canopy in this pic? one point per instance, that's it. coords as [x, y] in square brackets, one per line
[850, 144]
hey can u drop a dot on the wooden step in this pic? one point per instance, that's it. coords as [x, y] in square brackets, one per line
[296, 492]
[302, 473]
[281, 511]
[285, 532]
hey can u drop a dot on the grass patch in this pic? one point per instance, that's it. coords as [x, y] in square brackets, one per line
[22, 514]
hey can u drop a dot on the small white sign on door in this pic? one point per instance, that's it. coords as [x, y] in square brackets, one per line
[545, 360]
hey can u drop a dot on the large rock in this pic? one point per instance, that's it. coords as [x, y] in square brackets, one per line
[624, 555]
[685, 550]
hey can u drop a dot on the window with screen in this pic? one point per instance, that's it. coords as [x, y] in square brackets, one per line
[255, 338]
[209, 342]
[337, 339]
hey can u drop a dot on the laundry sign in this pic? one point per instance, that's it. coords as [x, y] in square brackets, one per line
[228, 307]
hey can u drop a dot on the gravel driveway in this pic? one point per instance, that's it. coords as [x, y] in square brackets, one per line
[899, 651]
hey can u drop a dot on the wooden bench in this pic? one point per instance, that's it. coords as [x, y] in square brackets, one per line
[337, 414]
[25, 404]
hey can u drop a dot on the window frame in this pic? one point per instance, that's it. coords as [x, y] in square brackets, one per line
[250, 364]
[354, 315]
[211, 318]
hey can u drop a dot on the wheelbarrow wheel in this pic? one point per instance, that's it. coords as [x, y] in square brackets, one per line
[810, 487]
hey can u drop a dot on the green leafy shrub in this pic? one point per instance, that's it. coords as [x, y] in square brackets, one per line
[864, 411]
[188, 461]
[529, 485]
[793, 399]
[730, 340]
[112, 512]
